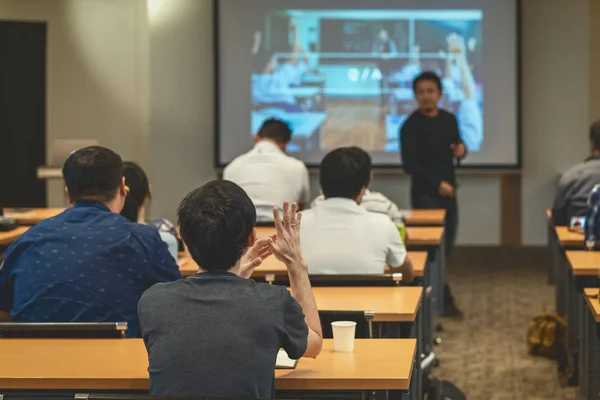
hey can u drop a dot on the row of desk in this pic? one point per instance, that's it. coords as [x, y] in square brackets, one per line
[377, 364]
[574, 271]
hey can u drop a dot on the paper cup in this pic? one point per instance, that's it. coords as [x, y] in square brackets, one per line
[343, 336]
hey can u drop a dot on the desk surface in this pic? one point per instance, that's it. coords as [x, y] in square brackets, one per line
[568, 238]
[417, 235]
[121, 364]
[593, 304]
[390, 304]
[423, 217]
[33, 215]
[584, 263]
[7, 238]
[273, 266]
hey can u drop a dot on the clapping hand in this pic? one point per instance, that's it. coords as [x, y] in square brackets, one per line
[287, 247]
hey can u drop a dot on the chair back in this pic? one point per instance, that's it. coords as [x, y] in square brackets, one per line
[363, 319]
[73, 330]
[346, 280]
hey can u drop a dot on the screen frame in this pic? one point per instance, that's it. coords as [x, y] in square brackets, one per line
[484, 167]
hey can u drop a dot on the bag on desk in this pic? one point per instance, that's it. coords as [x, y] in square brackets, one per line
[547, 336]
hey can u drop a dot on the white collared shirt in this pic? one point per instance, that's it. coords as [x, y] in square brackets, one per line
[340, 237]
[374, 202]
[269, 177]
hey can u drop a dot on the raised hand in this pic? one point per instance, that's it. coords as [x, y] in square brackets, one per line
[254, 257]
[287, 247]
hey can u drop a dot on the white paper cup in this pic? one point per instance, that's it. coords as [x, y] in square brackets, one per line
[343, 336]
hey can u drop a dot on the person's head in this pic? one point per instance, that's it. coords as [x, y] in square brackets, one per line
[383, 35]
[345, 172]
[595, 137]
[276, 131]
[95, 174]
[216, 222]
[428, 90]
[139, 191]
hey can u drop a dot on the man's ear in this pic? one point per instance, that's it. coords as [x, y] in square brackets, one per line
[68, 196]
[149, 191]
[123, 190]
[371, 178]
[252, 238]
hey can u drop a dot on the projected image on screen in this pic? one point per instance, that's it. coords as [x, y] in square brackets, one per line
[344, 77]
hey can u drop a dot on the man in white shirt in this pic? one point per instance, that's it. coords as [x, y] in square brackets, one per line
[339, 236]
[374, 202]
[267, 174]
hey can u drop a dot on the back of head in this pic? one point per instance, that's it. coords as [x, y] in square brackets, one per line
[139, 190]
[215, 222]
[344, 172]
[275, 130]
[595, 135]
[93, 174]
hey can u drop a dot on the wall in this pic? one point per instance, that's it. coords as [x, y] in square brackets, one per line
[101, 92]
[97, 72]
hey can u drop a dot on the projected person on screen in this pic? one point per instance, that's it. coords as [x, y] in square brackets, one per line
[431, 143]
[458, 78]
[384, 47]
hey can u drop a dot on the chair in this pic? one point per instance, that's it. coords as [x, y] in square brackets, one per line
[363, 319]
[81, 330]
[343, 280]
[117, 396]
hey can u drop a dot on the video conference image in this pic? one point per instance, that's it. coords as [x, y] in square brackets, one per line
[344, 77]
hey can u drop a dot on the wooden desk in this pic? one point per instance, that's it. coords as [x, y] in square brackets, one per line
[424, 236]
[566, 238]
[33, 215]
[390, 304]
[121, 364]
[584, 263]
[272, 266]
[7, 238]
[589, 346]
[424, 217]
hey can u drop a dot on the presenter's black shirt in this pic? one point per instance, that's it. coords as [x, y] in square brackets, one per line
[427, 155]
[218, 335]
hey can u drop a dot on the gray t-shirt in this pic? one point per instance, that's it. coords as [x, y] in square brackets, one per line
[216, 334]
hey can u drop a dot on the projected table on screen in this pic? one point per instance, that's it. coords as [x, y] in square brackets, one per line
[306, 127]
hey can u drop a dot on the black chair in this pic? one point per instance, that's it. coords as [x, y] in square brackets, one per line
[363, 319]
[343, 280]
[72, 330]
[117, 396]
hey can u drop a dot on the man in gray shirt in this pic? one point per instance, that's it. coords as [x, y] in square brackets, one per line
[577, 183]
[217, 334]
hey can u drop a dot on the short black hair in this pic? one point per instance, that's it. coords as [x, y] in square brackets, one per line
[275, 129]
[215, 222]
[427, 76]
[139, 188]
[93, 173]
[595, 134]
[344, 172]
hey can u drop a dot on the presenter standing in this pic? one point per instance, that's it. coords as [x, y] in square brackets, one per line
[431, 144]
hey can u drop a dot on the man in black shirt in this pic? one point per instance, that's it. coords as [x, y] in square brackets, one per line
[217, 334]
[431, 143]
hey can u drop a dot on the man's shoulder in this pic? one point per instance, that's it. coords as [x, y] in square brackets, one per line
[159, 291]
[577, 171]
[447, 115]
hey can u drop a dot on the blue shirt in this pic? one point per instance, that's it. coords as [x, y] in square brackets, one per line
[87, 264]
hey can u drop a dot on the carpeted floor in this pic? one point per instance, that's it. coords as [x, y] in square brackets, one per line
[485, 355]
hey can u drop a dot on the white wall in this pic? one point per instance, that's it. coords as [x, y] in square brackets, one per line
[102, 64]
[97, 72]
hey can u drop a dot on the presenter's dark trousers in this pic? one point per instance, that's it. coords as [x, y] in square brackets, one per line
[428, 201]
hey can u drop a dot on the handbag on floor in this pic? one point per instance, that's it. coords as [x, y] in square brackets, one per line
[546, 336]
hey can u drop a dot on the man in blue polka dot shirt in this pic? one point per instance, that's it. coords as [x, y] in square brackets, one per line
[87, 264]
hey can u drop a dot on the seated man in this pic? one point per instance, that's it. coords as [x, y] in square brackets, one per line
[217, 334]
[87, 264]
[373, 202]
[576, 184]
[267, 174]
[340, 237]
